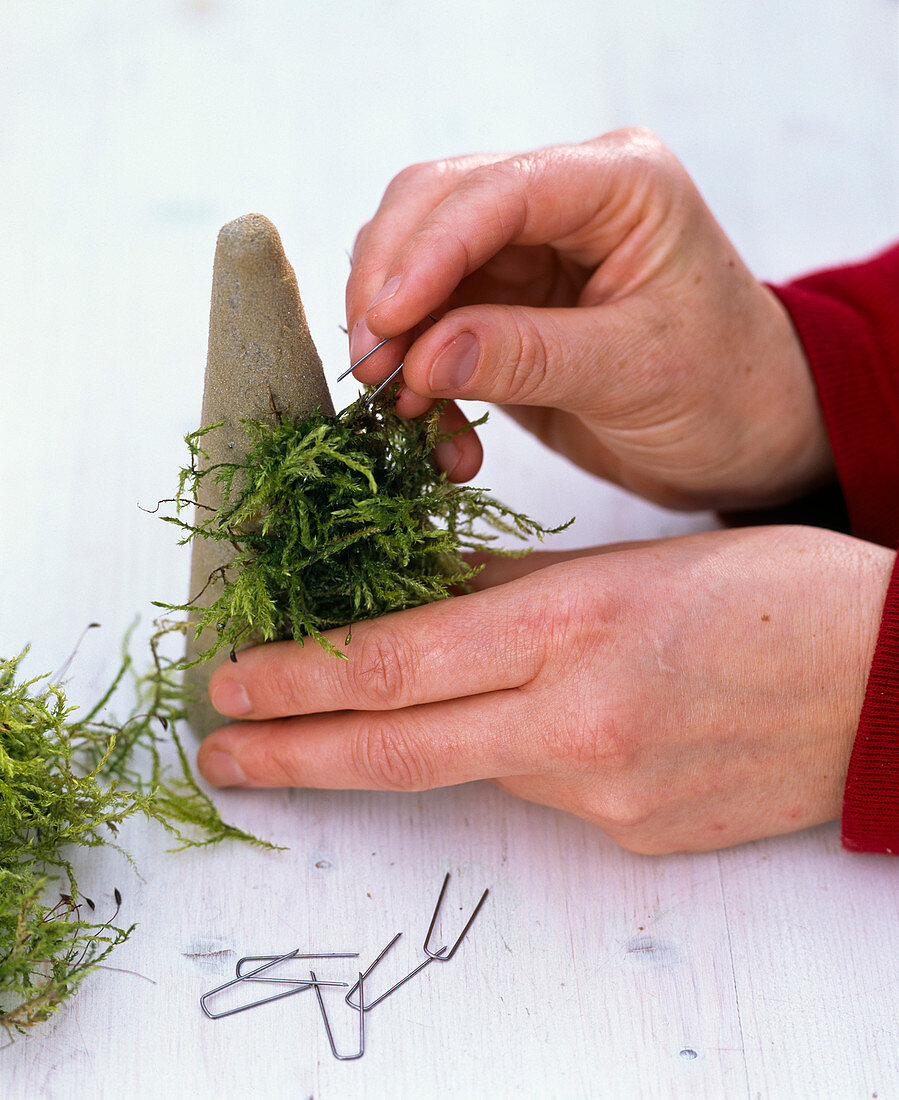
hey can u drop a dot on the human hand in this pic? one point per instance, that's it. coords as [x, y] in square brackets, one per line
[685, 694]
[590, 289]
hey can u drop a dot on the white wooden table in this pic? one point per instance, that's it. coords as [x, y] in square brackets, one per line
[130, 132]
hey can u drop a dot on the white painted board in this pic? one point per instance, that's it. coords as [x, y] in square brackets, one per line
[130, 132]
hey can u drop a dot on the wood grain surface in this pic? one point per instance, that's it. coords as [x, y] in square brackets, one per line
[130, 132]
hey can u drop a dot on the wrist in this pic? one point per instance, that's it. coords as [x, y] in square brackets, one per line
[785, 452]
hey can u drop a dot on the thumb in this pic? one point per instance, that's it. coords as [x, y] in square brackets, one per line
[513, 355]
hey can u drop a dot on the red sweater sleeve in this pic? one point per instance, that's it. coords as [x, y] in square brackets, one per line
[848, 321]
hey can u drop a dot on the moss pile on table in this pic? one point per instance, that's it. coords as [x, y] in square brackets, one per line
[67, 782]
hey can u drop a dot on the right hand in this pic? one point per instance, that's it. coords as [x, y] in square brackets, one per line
[590, 290]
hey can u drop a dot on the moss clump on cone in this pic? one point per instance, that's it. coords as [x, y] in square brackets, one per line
[335, 519]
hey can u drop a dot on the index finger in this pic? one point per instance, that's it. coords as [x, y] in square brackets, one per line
[410, 197]
[467, 645]
[582, 199]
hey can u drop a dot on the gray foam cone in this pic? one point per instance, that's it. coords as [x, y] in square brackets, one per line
[261, 359]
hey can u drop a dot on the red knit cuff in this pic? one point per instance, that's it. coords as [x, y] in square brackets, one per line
[871, 800]
[848, 324]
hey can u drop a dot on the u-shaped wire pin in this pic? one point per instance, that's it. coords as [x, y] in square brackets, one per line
[273, 958]
[418, 969]
[383, 386]
[299, 987]
[360, 361]
[360, 1010]
[439, 956]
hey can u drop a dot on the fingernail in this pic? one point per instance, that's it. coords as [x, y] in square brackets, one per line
[447, 455]
[230, 697]
[387, 291]
[221, 769]
[455, 364]
[362, 340]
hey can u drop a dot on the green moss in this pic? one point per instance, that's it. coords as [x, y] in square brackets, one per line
[335, 519]
[67, 782]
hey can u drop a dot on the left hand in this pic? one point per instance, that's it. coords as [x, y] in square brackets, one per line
[685, 694]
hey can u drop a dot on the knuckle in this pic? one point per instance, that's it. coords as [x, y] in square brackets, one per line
[576, 613]
[511, 170]
[624, 796]
[440, 175]
[643, 153]
[441, 231]
[278, 684]
[629, 819]
[437, 176]
[270, 763]
[380, 670]
[579, 746]
[414, 176]
[624, 807]
[573, 609]
[528, 353]
[506, 185]
[387, 758]
[638, 140]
